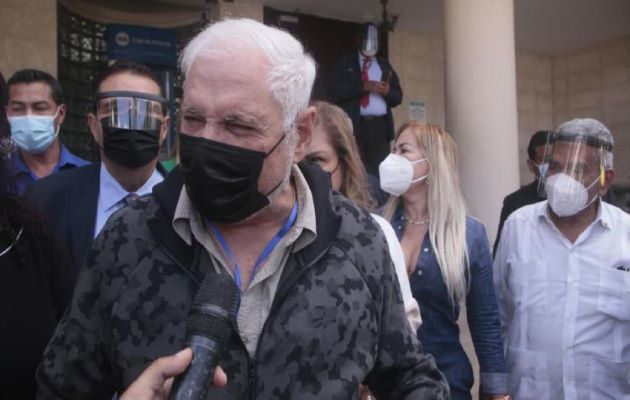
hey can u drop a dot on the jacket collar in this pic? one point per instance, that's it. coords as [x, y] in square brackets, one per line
[167, 195]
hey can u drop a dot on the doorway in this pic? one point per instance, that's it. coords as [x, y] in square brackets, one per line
[325, 39]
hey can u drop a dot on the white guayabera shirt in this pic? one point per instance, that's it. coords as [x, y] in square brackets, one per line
[565, 307]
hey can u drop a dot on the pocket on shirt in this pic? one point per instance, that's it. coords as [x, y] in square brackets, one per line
[609, 379]
[614, 294]
[529, 282]
[529, 374]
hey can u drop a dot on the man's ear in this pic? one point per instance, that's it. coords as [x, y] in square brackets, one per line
[95, 129]
[533, 168]
[166, 123]
[61, 116]
[306, 124]
[609, 175]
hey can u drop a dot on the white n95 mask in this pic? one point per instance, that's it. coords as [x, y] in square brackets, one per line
[567, 196]
[396, 174]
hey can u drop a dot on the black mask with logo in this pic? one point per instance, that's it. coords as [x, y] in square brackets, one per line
[222, 180]
[131, 148]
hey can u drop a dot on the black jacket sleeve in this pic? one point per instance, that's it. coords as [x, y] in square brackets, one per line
[345, 81]
[395, 95]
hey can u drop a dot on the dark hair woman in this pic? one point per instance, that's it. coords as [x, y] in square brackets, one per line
[36, 286]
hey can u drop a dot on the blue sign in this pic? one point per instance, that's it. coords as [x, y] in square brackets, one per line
[151, 46]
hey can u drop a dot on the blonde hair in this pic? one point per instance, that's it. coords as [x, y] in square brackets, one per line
[338, 128]
[446, 206]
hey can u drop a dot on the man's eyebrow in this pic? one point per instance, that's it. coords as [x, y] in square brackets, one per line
[240, 119]
[39, 103]
[190, 110]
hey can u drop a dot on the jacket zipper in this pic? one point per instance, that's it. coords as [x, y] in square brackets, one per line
[252, 365]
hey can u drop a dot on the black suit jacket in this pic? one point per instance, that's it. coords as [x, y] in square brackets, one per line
[345, 88]
[68, 200]
[526, 195]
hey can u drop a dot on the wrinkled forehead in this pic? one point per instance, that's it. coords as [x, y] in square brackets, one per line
[220, 84]
[215, 66]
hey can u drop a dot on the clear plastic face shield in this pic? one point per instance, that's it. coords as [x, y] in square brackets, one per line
[130, 110]
[576, 170]
[369, 41]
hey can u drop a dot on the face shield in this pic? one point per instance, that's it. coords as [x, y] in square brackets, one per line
[369, 41]
[130, 110]
[575, 166]
[132, 126]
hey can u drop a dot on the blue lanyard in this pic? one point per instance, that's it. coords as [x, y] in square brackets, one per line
[266, 252]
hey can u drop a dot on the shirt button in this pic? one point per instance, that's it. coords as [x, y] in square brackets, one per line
[426, 249]
[419, 272]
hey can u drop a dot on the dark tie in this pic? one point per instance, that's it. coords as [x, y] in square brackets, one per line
[365, 98]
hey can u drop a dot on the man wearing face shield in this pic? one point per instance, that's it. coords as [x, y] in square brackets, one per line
[129, 123]
[366, 86]
[35, 111]
[562, 277]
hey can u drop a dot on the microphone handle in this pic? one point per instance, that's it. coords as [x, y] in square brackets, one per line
[194, 382]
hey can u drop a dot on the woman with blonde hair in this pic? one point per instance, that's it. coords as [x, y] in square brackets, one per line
[447, 255]
[334, 148]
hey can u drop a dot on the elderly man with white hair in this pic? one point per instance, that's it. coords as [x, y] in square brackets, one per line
[562, 277]
[320, 306]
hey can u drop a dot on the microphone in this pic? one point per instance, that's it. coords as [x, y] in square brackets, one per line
[208, 329]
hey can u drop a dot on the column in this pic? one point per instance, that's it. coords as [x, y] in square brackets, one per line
[481, 111]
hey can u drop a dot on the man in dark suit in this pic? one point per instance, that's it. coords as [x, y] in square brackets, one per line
[530, 193]
[129, 123]
[367, 87]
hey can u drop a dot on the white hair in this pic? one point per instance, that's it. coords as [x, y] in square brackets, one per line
[589, 128]
[292, 71]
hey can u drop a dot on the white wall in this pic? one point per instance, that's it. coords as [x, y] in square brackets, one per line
[592, 82]
[595, 82]
[28, 36]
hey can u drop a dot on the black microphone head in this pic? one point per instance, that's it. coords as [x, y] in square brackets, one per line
[214, 308]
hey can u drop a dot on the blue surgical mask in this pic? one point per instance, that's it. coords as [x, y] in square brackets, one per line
[34, 133]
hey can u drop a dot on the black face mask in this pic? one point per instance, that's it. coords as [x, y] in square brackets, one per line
[222, 180]
[131, 148]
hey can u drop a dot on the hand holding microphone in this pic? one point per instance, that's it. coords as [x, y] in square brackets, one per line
[155, 382]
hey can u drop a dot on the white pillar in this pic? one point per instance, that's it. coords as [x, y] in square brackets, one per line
[481, 111]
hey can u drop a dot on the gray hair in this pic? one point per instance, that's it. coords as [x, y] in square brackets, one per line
[589, 128]
[292, 72]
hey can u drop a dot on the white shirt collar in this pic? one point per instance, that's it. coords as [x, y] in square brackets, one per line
[111, 192]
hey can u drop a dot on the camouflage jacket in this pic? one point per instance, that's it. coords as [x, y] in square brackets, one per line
[337, 318]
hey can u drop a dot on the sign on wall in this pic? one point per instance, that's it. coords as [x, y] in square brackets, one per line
[151, 46]
[418, 111]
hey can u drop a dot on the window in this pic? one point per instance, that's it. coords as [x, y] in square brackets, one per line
[81, 56]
